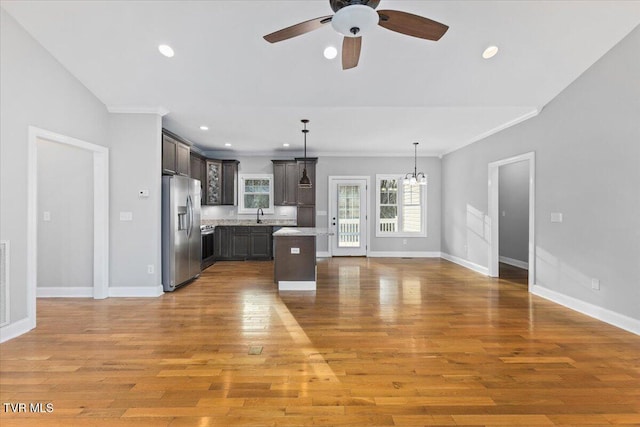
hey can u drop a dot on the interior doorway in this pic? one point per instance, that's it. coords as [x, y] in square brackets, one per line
[100, 178]
[513, 223]
[522, 164]
[348, 203]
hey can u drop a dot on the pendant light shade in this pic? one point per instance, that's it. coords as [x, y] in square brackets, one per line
[415, 177]
[305, 182]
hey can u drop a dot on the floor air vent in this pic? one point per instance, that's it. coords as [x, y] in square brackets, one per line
[4, 283]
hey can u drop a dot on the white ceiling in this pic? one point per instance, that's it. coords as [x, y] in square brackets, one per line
[252, 94]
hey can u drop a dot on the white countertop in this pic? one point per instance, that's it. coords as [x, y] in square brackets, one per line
[250, 222]
[302, 231]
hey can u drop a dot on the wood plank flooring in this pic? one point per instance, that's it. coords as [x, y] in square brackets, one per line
[383, 342]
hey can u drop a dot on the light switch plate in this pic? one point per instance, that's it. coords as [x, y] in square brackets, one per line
[143, 194]
[126, 216]
[295, 251]
[556, 217]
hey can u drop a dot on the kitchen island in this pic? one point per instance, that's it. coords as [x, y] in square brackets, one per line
[295, 258]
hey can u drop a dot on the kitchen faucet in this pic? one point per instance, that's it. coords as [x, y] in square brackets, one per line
[258, 213]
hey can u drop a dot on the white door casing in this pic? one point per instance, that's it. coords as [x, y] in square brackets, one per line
[100, 213]
[494, 217]
[348, 215]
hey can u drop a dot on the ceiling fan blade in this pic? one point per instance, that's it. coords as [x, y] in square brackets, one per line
[411, 25]
[298, 29]
[351, 52]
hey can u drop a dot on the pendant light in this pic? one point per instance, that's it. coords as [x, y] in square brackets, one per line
[415, 177]
[305, 182]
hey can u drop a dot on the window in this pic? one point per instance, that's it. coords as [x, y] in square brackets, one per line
[256, 191]
[400, 208]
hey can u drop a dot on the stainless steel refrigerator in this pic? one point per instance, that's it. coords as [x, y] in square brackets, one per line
[181, 240]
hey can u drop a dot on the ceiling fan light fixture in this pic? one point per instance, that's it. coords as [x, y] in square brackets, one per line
[354, 20]
[330, 52]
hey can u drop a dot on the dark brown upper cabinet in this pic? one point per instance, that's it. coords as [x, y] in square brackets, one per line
[229, 182]
[307, 196]
[175, 155]
[218, 178]
[198, 172]
[197, 168]
[221, 182]
[285, 182]
[213, 186]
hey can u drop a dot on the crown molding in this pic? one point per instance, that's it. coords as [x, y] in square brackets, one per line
[534, 112]
[126, 109]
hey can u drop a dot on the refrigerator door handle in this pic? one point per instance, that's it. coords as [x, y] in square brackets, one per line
[189, 216]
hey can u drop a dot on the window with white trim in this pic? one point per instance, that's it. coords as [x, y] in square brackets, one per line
[255, 191]
[401, 209]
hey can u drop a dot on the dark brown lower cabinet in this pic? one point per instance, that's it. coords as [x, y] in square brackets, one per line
[261, 242]
[237, 243]
[240, 239]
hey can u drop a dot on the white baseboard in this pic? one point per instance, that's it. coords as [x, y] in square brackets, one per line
[289, 285]
[412, 254]
[87, 292]
[64, 292]
[13, 330]
[323, 254]
[468, 264]
[514, 262]
[136, 291]
[603, 314]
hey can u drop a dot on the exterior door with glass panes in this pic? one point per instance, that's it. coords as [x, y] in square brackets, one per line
[348, 217]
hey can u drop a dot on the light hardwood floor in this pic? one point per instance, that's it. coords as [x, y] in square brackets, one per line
[405, 342]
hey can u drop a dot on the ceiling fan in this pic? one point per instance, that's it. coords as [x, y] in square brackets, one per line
[353, 18]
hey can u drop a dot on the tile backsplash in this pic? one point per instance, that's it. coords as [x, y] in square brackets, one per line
[231, 212]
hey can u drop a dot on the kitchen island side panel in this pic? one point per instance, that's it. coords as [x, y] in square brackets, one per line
[291, 266]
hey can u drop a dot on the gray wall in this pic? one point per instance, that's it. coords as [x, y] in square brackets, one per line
[370, 166]
[36, 90]
[361, 166]
[587, 145]
[513, 200]
[135, 164]
[65, 190]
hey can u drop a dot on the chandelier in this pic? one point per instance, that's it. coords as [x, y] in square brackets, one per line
[415, 177]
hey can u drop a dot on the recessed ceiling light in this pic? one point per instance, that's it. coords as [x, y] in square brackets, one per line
[330, 52]
[285, 145]
[490, 52]
[227, 144]
[204, 128]
[166, 50]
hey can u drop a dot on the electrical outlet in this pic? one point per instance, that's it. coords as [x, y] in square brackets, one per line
[404, 241]
[151, 269]
[595, 284]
